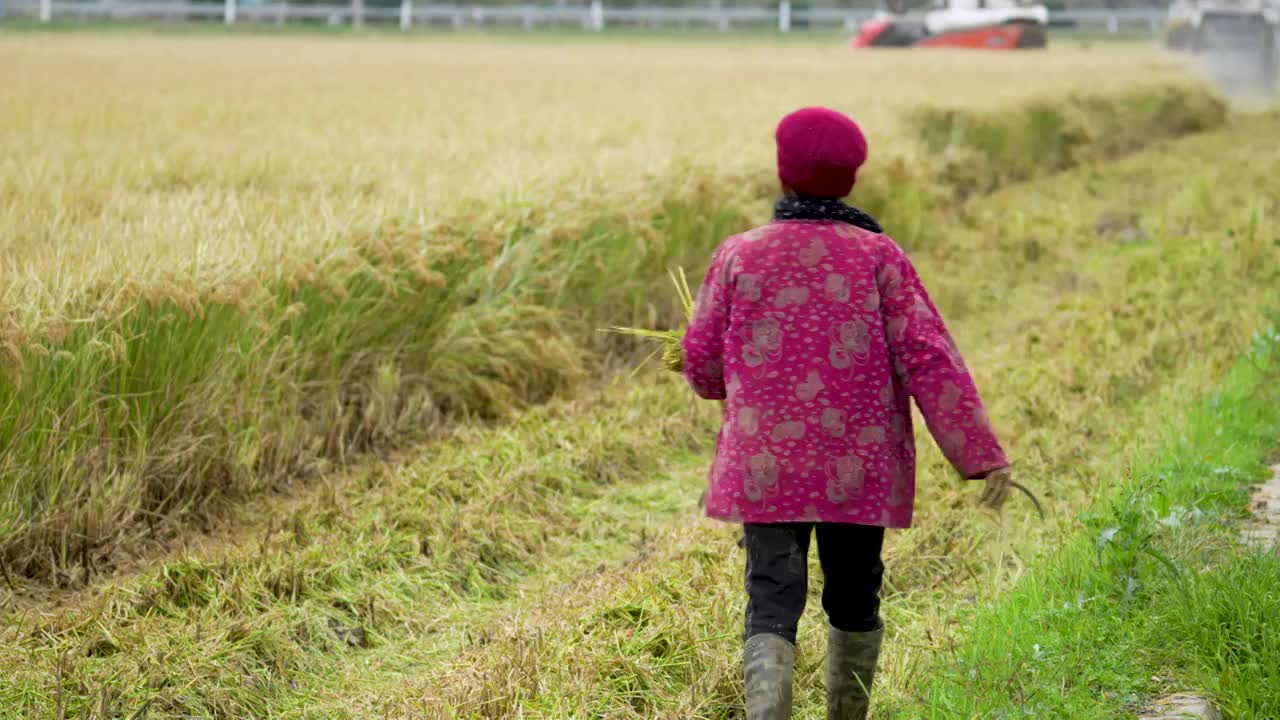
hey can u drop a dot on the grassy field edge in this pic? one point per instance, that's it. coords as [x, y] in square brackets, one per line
[1155, 595]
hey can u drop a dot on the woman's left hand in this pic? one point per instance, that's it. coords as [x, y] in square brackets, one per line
[997, 489]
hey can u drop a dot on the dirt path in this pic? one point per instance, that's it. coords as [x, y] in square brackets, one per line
[1182, 706]
[1264, 503]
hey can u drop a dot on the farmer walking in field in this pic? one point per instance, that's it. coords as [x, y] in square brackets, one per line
[816, 332]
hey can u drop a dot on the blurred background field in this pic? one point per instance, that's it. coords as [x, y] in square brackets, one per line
[209, 156]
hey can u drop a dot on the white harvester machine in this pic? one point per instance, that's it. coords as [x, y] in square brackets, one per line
[978, 24]
[1237, 40]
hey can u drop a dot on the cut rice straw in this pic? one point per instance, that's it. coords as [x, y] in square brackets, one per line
[669, 340]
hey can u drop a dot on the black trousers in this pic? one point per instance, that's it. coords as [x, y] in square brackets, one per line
[777, 576]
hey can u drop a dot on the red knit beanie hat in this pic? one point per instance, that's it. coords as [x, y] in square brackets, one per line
[819, 152]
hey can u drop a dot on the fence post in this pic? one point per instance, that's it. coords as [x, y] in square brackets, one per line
[784, 15]
[406, 14]
[357, 14]
[722, 18]
[46, 10]
[597, 15]
[229, 12]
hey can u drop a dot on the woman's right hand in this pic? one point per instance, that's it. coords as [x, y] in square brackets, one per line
[997, 489]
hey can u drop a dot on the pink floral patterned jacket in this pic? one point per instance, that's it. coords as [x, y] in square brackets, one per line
[816, 334]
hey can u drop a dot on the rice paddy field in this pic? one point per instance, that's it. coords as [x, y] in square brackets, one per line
[305, 413]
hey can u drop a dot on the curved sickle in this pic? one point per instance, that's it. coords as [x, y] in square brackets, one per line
[1030, 497]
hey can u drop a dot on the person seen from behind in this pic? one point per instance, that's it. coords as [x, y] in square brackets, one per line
[815, 331]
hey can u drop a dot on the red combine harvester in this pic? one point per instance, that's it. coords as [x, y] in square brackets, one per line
[978, 24]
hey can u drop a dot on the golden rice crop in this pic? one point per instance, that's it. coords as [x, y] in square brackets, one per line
[135, 159]
[235, 261]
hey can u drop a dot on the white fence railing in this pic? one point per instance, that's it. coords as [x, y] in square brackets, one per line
[593, 16]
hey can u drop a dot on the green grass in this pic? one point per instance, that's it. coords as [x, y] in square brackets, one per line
[1154, 593]
[169, 404]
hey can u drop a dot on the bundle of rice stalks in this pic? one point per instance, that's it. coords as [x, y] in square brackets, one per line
[668, 340]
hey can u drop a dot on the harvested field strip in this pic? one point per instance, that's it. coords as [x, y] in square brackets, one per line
[157, 402]
[1101, 624]
[385, 573]
[1114, 353]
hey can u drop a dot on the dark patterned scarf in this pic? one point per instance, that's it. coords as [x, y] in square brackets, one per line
[811, 208]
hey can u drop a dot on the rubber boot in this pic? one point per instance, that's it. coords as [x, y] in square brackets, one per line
[768, 664]
[851, 667]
